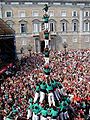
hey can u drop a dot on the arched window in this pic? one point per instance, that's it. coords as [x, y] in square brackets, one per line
[64, 25]
[23, 26]
[75, 25]
[10, 23]
[86, 25]
[36, 26]
[52, 25]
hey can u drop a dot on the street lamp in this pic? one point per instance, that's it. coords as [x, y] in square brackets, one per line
[65, 45]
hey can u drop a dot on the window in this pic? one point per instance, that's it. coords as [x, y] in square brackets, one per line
[86, 26]
[74, 39]
[42, 3]
[74, 25]
[35, 13]
[22, 13]
[64, 27]
[8, 14]
[56, 3]
[74, 13]
[86, 14]
[68, 3]
[36, 27]
[28, 3]
[14, 3]
[80, 4]
[52, 27]
[87, 4]
[10, 23]
[63, 13]
[23, 28]
[86, 39]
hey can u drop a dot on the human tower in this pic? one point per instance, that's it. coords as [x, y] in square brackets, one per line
[49, 102]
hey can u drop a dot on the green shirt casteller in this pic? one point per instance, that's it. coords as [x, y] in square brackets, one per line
[30, 100]
[30, 106]
[36, 108]
[61, 106]
[37, 88]
[54, 83]
[44, 112]
[54, 113]
[59, 85]
[46, 71]
[46, 53]
[49, 88]
[43, 86]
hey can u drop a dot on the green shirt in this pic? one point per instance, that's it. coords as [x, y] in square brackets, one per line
[46, 53]
[30, 100]
[37, 88]
[49, 88]
[67, 101]
[14, 110]
[54, 83]
[30, 106]
[61, 106]
[54, 113]
[59, 84]
[36, 108]
[44, 112]
[47, 70]
[46, 18]
[43, 86]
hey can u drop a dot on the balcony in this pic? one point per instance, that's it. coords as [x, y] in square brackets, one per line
[35, 34]
[53, 33]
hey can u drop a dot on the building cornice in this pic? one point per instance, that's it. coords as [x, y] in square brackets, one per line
[82, 1]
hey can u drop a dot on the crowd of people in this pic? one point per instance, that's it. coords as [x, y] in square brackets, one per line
[68, 80]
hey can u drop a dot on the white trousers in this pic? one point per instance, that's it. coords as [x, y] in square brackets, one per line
[66, 115]
[49, 118]
[61, 116]
[46, 25]
[51, 99]
[46, 43]
[46, 60]
[29, 114]
[42, 96]
[42, 118]
[35, 117]
[57, 95]
[36, 96]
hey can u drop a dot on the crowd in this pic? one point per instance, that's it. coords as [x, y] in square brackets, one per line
[69, 75]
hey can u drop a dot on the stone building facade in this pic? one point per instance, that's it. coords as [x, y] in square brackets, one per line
[69, 22]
